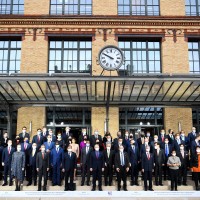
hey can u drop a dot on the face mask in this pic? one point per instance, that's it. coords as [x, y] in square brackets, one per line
[87, 145]
[96, 149]
[84, 133]
[156, 147]
[9, 144]
[193, 130]
[39, 132]
[59, 136]
[26, 141]
[70, 150]
[126, 134]
[147, 150]
[50, 133]
[23, 131]
[121, 150]
[148, 134]
[42, 149]
[198, 151]
[108, 148]
[177, 138]
[156, 139]
[146, 143]
[96, 132]
[181, 148]
[57, 146]
[162, 133]
[109, 140]
[166, 142]
[19, 149]
[67, 130]
[120, 142]
[182, 134]
[173, 154]
[34, 147]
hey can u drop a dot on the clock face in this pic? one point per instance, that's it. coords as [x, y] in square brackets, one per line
[111, 58]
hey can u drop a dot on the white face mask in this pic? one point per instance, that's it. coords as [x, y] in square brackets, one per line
[84, 133]
[156, 139]
[69, 150]
[9, 144]
[148, 134]
[146, 143]
[109, 140]
[18, 149]
[162, 133]
[34, 147]
[96, 149]
[181, 148]
[67, 130]
[57, 146]
[39, 132]
[59, 136]
[166, 142]
[156, 147]
[43, 149]
[177, 138]
[50, 133]
[173, 154]
[198, 151]
[126, 134]
[23, 131]
[96, 132]
[87, 145]
[147, 150]
[182, 134]
[193, 130]
[120, 143]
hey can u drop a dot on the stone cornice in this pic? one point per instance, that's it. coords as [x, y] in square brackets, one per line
[100, 20]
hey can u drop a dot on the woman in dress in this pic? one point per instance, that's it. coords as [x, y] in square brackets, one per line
[195, 164]
[75, 149]
[17, 167]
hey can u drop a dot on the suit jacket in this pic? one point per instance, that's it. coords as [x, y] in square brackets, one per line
[96, 163]
[193, 146]
[85, 158]
[147, 164]
[4, 143]
[143, 149]
[118, 160]
[69, 162]
[44, 135]
[109, 160]
[171, 139]
[6, 157]
[160, 138]
[56, 158]
[159, 158]
[162, 146]
[32, 158]
[185, 160]
[176, 145]
[191, 137]
[93, 140]
[49, 146]
[26, 151]
[65, 136]
[21, 138]
[134, 157]
[42, 163]
[38, 142]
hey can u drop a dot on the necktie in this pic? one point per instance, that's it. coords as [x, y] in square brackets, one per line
[133, 149]
[70, 155]
[162, 139]
[38, 138]
[97, 154]
[122, 159]
[166, 150]
[25, 146]
[148, 156]
[43, 156]
[108, 153]
[57, 150]
[33, 153]
[8, 150]
[182, 154]
[86, 150]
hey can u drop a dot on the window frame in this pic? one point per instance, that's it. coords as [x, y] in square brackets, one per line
[197, 6]
[11, 6]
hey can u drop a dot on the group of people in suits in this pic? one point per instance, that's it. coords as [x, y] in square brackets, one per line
[54, 157]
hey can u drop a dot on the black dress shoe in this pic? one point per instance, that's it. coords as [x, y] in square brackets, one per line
[66, 189]
[39, 189]
[93, 189]
[11, 184]
[185, 184]
[161, 184]
[82, 184]
[132, 183]
[151, 190]
[4, 184]
[100, 189]
[172, 189]
[145, 189]
[125, 189]
[118, 189]
[88, 184]
[110, 184]
[29, 184]
[44, 189]
[176, 190]
[35, 184]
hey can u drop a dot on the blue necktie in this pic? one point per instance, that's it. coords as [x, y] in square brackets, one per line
[166, 150]
[97, 154]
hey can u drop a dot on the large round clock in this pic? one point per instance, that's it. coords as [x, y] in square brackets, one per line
[110, 58]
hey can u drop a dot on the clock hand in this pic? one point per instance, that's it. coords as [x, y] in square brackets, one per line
[108, 56]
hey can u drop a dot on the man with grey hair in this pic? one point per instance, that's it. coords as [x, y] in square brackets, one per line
[109, 164]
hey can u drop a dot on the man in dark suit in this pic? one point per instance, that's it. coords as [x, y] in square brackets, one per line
[115, 140]
[96, 167]
[177, 142]
[184, 158]
[57, 155]
[6, 162]
[147, 168]
[162, 136]
[38, 139]
[159, 160]
[69, 167]
[191, 136]
[32, 165]
[44, 133]
[171, 137]
[25, 147]
[134, 157]
[83, 133]
[168, 150]
[96, 139]
[42, 166]
[143, 147]
[53, 137]
[109, 164]
[24, 134]
[85, 162]
[194, 144]
[4, 140]
[184, 140]
[49, 145]
[66, 135]
[122, 167]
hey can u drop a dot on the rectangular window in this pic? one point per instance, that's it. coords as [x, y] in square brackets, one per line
[141, 57]
[192, 7]
[138, 7]
[71, 7]
[194, 56]
[11, 7]
[70, 56]
[10, 56]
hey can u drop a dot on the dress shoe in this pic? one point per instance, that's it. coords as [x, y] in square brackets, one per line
[176, 189]
[151, 190]
[136, 184]
[66, 189]
[44, 189]
[11, 184]
[172, 189]
[35, 184]
[132, 183]
[185, 184]
[82, 184]
[100, 189]
[39, 189]
[88, 184]
[28, 184]
[59, 184]
[145, 189]
[4, 184]
[93, 189]
[110, 184]
[118, 189]
[125, 189]
[161, 184]
[157, 184]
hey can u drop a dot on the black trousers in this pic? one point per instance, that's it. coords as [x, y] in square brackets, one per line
[174, 178]
[33, 175]
[97, 175]
[166, 172]
[108, 175]
[134, 173]
[7, 171]
[27, 172]
[182, 176]
[121, 175]
[196, 178]
[85, 171]
[42, 173]
[158, 174]
[69, 174]
[148, 176]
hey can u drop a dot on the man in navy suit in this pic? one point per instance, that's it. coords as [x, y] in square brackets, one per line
[162, 136]
[53, 137]
[56, 162]
[96, 167]
[6, 162]
[168, 150]
[147, 168]
[44, 133]
[134, 157]
[32, 165]
[192, 135]
[66, 135]
[38, 139]
[184, 140]
[49, 145]
[25, 147]
[177, 143]
[194, 144]
[23, 134]
[69, 166]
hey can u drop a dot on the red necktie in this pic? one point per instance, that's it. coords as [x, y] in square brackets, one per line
[148, 156]
[162, 139]
[43, 156]
[38, 139]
